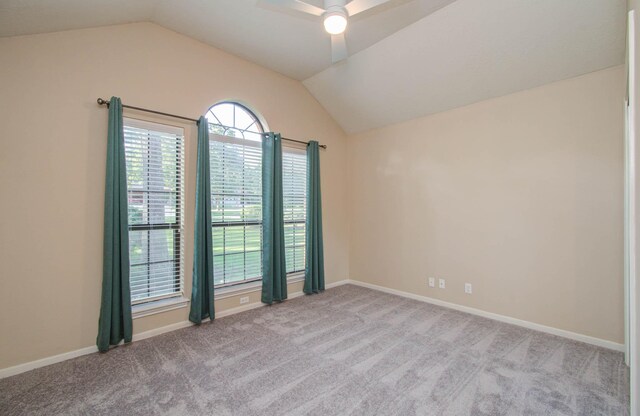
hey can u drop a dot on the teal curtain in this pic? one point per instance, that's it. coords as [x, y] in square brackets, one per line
[274, 270]
[314, 270]
[202, 287]
[115, 322]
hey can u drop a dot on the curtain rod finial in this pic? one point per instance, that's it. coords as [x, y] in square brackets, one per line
[101, 101]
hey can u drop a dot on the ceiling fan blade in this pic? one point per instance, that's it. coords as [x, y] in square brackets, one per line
[338, 48]
[297, 5]
[358, 6]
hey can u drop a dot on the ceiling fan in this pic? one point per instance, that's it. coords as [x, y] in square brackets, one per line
[335, 15]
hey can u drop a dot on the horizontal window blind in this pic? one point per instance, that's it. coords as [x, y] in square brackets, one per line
[155, 162]
[236, 209]
[294, 190]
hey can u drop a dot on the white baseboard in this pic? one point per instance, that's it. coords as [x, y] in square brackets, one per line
[32, 365]
[502, 318]
[159, 331]
[338, 283]
[255, 305]
[21, 368]
[43, 362]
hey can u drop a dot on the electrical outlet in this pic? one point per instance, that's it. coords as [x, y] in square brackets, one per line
[441, 284]
[432, 282]
[244, 299]
[468, 289]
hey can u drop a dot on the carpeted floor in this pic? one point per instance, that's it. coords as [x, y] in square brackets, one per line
[348, 351]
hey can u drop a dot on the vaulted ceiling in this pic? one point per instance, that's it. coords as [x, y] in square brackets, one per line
[408, 58]
[292, 43]
[470, 51]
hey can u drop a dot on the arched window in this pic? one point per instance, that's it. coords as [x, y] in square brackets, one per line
[234, 120]
[235, 154]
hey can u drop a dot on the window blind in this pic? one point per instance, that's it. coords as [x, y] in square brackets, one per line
[294, 184]
[154, 156]
[236, 209]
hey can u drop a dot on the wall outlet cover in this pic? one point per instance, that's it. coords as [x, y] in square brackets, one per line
[468, 288]
[432, 282]
[244, 299]
[441, 283]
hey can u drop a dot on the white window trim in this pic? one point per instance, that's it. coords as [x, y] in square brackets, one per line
[177, 302]
[235, 140]
[294, 147]
[157, 306]
[250, 287]
[153, 125]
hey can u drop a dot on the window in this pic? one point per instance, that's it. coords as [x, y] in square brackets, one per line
[235, 151]
[294, 190]
[154, 156]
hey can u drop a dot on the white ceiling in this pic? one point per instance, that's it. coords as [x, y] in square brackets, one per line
[470, 51]
[409, 58]
[292, 43]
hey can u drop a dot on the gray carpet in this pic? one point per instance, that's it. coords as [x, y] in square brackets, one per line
[348, 351]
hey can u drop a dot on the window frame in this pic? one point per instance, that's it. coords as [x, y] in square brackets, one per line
[300, 150]
[256, 120]
[293, 275]
[214, 225]
[175, 299]
[242, 141]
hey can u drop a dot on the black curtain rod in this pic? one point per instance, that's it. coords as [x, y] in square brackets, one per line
[324, 146]
[146, 110]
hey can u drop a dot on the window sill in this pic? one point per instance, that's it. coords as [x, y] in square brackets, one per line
[169, 304]
[158, 306]
[249, 287]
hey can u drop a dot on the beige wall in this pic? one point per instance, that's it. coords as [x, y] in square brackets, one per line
[52, 163]
[520, 196]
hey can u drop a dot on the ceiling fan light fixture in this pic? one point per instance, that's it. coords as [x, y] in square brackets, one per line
[335, 22]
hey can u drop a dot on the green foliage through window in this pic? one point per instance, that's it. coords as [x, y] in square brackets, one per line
[236, 196]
